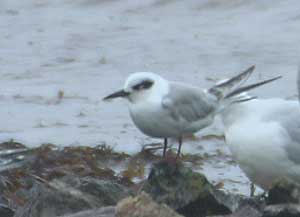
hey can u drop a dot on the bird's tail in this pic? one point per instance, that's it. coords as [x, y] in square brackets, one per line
[231, 90]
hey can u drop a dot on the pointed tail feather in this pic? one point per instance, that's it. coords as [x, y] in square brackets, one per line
[250, 87]
[244, 100]
[219, 89]
[240, 95]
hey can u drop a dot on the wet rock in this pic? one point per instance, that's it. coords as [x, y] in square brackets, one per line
[98, 192]
[6, 211]
[47, 202]
[102, 212]
[49, 161]
[11, 154]
[11, 145]
[246, 211]
[248, 208]
[285, 196]
[187, 192]
[80, 161]
[143, 206]
[284, 191]
[282, 210]
[51, 181]
[70, 195]
[283, 200]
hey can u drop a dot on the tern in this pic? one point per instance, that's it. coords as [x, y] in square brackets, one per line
[264, 138]
[166, 109]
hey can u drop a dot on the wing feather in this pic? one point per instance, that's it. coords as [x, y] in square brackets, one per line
[188, 103]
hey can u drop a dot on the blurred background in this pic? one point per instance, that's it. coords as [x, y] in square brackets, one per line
[59, 58]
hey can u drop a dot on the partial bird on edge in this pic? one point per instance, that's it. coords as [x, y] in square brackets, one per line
[166, 109]
[264, 138]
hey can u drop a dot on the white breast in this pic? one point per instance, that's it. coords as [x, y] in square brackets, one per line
[258, 150]
[154, 121]
[257, 143]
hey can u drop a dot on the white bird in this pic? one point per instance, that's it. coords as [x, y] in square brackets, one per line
[164, 109]
[264, 138]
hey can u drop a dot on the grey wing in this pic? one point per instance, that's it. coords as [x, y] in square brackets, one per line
[188, 103]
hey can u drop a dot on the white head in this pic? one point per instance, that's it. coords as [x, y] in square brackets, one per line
[142, 86]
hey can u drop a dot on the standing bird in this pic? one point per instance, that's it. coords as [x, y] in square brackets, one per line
[264, 138]
[165, 109]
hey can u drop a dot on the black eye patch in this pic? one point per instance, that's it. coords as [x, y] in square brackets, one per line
[143, 85]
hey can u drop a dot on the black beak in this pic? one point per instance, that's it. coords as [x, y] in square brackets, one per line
[120, 93]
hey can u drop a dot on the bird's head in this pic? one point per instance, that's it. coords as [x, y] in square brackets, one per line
[140, 86]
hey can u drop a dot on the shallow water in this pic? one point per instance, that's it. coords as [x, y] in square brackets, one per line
[60, 57]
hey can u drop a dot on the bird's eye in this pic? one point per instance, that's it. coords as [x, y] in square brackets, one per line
[143, 85]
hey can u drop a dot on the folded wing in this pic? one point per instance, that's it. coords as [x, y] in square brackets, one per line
[188, 103]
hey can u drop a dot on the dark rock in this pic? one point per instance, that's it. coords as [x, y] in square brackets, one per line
[48, 202]
[250, 207]
[109, 192]
[74, 173]
[143, 206]
[6, 211]
[284, 191]
[101, 212]
[244, 211]
[187, 192]
[11, 145]
[11, 155]
[256, 207]
[282, 210]
[70, 195]
[100, 192]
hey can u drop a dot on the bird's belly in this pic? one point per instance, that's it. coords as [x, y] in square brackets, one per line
[155, 122]
[258, 149]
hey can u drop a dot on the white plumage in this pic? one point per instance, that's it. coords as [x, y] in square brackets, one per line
[164, 109]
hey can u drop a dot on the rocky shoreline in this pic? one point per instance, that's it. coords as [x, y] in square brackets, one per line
[50, 181]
